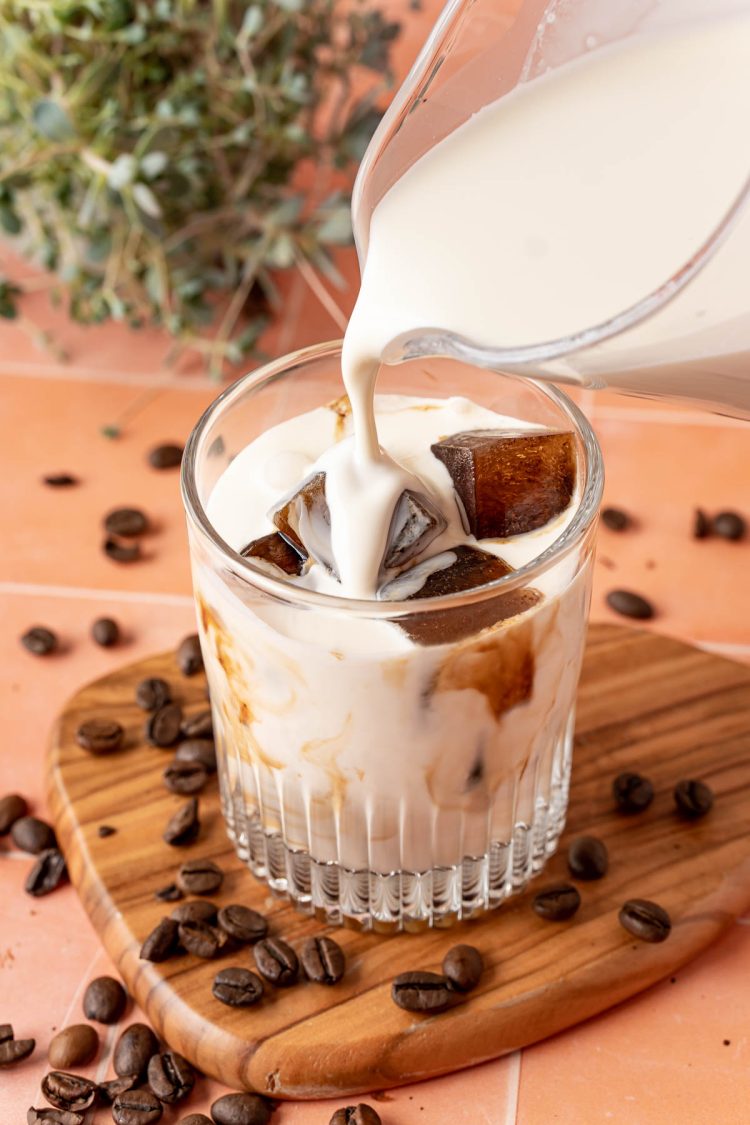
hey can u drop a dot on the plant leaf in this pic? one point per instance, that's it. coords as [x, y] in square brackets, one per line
[51, 120]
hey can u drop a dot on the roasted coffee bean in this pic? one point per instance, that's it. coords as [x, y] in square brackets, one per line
[185, 777]
[199, 877]
[133, 1049]
[200, 725]
[615, 519]
[60, 480]
[201, 939]
[693, 799]
[15, 1050]
[701, 524]
[100, 736]
[239, 988]
[196, 1119]
[112, 1089]
[198, 750]
[160, 944]
[127, 522]
[189, 655]
[556, 903]
[165, 456]
[73, 1046]
[104, 1000]
[323, 960]
[163, 728]
[153, 694]
[629, 604]
[632, 793]
[197, 910]
[587, 858]
[422, 992]
[12, 808]
[39, 640]
[33, 835]
[463, 966]
[105, 631]
[184, 826]
[53, 1117]
[136, 1107]
[242, 923]
[645, 920]
[170, 893]
[68, 1091]
[729, 525]
[277, 962]
[105, 830]
[6, 1032]
[121, 552]
[361, 1114]
[170, 1076]
[241, 1109]
[47, 874]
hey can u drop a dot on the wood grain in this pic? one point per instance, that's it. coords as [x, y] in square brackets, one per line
[645, 703]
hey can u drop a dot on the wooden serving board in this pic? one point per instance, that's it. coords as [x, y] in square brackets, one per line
[645, 703]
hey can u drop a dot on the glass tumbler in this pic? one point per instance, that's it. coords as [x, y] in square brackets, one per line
[390, 765]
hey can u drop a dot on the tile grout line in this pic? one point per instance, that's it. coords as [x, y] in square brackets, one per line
[30, 589]
[119, 378]
[514, 1084]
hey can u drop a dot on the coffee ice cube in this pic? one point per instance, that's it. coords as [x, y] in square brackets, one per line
[509, 483]
[304, 520]
[275, 550]
[416, 522]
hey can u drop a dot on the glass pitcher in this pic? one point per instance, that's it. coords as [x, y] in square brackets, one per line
[688, 337]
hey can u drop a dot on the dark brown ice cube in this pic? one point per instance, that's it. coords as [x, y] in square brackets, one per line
[509, 483]
[304, 520]
[416, 522]
[274, 549]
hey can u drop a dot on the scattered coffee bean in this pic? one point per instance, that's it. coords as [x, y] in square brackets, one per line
[361, 1114]
[137, 1107]
[628, 604]
[729, 525]
[196, 1119]
[243, 924]
[701, 524]
[323, 960]
[39, 640]
[201, 939]
[47, 874]
[463, 966]
[693, 799]
[68, 1091]
[105, 631]
[160, 944]
[170, 893]
[105, 830]
[184, 826]
[126, 522]
[133, 1049]
[104, 1000]
[163, 728]
[615, 519]
[645, 920]
[422, 992]
[556, 903]
[185, 777]
[200, 750]
[197, 910]
[6, 1032]
[189, 655]
[277, 962]
[239, 988]
[632, 793]
[14, 1050]
[73, 1046]
[153, 694]
[60, 480]
[170, 1076]
[33, 835]
[121, 552]
[200, 725]
[199, 877]
[588, 858]
[12, 808]
[53, 1117]
[241, 1109]
[100, 736]
[165, 456]
[112, 1089]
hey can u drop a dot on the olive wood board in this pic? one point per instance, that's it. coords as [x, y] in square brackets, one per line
[645, 703]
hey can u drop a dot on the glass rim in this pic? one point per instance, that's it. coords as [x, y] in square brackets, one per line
[282, 590]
